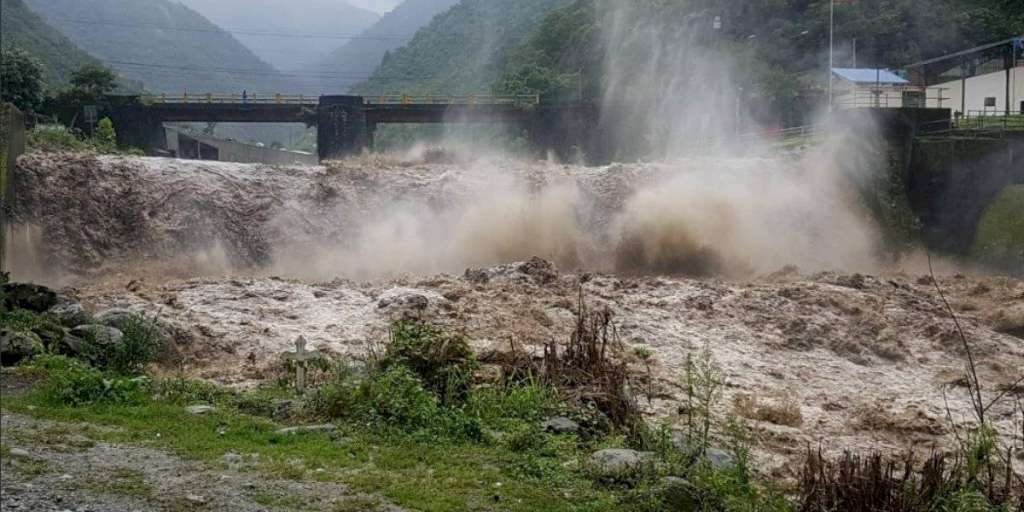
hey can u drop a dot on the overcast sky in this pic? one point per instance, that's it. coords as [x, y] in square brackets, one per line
[379, 6]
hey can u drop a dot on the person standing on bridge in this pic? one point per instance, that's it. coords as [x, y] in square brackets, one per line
[245, 96]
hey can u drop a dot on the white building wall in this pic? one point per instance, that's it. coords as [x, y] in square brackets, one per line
[978, 88]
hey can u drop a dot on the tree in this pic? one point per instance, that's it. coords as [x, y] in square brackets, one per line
[105, 137]
[94, 80]
[21, 79]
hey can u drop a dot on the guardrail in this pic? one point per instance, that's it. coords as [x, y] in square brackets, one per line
[989, 120]
[405, 99]
[231, 99]
[284, 99]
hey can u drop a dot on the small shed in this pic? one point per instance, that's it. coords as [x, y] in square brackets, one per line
[873, 87]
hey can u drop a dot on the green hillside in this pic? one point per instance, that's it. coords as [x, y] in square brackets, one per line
[22, 28]
[360, 57]
[462, 51]
[163, 44]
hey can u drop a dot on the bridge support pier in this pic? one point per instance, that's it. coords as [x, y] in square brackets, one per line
[138, 129]
[341, 128]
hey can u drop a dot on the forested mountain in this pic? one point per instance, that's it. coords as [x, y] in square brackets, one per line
[358, 58]
[165, 45]
[462, 50]
[22, 28]
[289, 35]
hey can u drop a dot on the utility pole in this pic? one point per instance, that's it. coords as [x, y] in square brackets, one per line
[831, 41]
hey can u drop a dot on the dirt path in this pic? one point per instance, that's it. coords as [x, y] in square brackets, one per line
[51, 466]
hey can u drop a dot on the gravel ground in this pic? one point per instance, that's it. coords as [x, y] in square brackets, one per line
[58, 467]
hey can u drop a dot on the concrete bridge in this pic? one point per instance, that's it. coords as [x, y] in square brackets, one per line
[347, 124]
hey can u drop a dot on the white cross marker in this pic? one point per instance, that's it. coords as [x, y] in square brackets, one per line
[300, 357]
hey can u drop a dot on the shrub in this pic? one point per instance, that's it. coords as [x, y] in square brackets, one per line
[21, 320]
[441, 359]
[71, 382]
[55, 137]
[397, 397]
[142, 344]
[105, 138]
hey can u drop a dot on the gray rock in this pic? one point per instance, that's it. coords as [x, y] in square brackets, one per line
[677, 494]
[101, 335]
[116, 318]
[409, 303]
[719, 459]
[70, 313]
[198, 410]
[16, 346]
[29, 296]
[20, 453]
[561, 425]
[618, 464]
[716, 457]
[306, 429]
[70, 345]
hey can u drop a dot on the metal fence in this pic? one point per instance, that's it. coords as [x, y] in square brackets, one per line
[989, 120]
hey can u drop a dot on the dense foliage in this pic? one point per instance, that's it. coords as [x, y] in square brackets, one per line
[22, 83]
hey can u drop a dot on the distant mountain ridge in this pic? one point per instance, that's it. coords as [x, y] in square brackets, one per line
[360, 57]
[22, 28]
[288, 35]
[165, 45]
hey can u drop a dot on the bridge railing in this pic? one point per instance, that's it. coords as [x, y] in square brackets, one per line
[231, 99]
[405, 99]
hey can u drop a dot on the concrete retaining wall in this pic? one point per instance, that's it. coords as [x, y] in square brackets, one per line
[12, 145]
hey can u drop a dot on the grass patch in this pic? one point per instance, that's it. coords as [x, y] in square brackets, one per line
[999, 239]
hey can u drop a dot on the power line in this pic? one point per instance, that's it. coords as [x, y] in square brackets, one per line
[217, 30]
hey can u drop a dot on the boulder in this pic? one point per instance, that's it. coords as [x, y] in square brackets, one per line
[618, 464]
[70, 345]
[716, 457]
[99, 335]
[28, 296]
[561, 425]
[116, 318]
[677, 494]
[409, 303]
[541, 271]
[16, 346]
[69, 313]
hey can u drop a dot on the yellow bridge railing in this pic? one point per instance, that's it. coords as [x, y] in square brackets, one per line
[239, 99]
[284, 99]
[405, 99]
